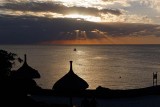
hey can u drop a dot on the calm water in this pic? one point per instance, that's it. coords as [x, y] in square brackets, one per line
[116, 67]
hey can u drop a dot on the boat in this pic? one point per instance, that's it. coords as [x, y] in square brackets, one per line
[75, 49]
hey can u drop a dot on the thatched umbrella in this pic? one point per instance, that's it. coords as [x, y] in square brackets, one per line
[26, 71]
[70, 83]
[23, 79]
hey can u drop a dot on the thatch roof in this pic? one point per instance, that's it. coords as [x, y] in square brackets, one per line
[26, 71]
[70, 82]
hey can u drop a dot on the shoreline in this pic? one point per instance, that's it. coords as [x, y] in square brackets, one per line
[105, 97]
[102, 92]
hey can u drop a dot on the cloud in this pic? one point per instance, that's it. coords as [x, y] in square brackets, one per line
[117, 3]
[155, 4]
[34, 30]
[39, 21]
[126, 18]
[127, 11]
[137, 12]
[108, 0]
[56, 8]
[53, 10]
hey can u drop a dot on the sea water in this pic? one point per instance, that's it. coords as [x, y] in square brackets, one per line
[110, 66]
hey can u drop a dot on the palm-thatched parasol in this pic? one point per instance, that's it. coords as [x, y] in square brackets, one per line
[70, 82]
[26, 71]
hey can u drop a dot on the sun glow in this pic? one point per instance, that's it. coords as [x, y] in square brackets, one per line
[84, 17]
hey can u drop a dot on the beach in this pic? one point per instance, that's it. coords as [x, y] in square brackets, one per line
[145, 101]
[145, 97]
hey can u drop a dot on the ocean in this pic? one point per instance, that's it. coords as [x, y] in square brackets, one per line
[110, 66]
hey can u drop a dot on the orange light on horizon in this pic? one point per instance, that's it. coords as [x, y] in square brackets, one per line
[108, 40]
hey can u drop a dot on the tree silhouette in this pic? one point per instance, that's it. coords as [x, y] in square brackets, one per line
[7, 60]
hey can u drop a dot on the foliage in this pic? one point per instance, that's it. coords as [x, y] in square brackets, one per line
[7, 59]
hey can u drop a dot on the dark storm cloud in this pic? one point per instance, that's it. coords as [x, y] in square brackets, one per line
[32, 30]
[56, 8]
[132, 29]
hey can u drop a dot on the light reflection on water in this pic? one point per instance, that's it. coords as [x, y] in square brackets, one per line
[116, 67]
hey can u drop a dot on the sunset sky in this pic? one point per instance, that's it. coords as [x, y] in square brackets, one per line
[79, 22]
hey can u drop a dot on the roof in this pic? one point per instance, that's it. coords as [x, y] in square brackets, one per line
[70, 81]
[25, 71]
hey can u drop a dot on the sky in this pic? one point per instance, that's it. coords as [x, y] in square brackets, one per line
[79, 22]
